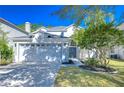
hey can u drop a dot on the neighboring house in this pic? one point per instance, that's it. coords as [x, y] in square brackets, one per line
[118, 51]
[45, 44]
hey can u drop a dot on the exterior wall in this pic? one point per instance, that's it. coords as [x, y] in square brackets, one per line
[11, 31]
[69, 31]
[41, 38]
[84, 54]
[38, 38]
[78, 53]
[117, 50]
[16, 50]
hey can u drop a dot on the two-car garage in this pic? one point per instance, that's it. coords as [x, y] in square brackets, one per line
[34, 52]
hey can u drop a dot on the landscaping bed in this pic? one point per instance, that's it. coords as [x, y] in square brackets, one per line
[99, 68]
[94, 65]
[5, 62]
[77, 77]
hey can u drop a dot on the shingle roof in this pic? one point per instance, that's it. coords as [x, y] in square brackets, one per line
[57, 28]
[12, 25]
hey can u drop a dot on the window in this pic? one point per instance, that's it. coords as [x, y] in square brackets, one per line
[65, 44]
[27, 45]
[38, 45]
[42, 44]
[32, 45]
[62, 34]
[49, 36]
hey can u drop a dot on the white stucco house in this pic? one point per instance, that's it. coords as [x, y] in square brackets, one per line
[44, 44]
[47, 44]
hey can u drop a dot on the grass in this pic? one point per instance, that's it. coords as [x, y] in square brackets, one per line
[76, 77]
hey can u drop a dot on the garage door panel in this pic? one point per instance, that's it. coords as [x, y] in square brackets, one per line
[53, 53]
[27, 53]
[33, 53]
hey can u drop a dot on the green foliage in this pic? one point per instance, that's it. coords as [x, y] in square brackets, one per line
[6, 52]
[3, 62]
[77, 37]
[22, 26]
[92, 62]
[34, 27]
[78, 13]
[100, 35]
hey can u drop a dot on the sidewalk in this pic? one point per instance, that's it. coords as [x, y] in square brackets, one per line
[12, 65]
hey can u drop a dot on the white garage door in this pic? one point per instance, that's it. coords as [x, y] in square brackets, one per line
[40, 52]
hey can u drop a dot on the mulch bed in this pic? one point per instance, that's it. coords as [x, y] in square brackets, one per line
[99, 69]
[91, 68]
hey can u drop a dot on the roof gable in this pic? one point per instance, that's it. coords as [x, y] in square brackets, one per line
[57, 29]
[12, 25]
[66, 31]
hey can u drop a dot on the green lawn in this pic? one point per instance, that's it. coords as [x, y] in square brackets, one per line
[76, 77]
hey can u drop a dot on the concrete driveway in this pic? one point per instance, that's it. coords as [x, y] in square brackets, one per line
[29, 74]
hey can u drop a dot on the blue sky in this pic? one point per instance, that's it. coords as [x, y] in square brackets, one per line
[38, 14]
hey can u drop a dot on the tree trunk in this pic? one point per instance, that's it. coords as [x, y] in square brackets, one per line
[103, 57]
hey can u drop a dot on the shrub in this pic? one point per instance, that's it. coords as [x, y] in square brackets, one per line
[92, 62]
[3, 62]
[6, 53]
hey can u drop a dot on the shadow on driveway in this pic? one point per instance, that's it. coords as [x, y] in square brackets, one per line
[30, 75]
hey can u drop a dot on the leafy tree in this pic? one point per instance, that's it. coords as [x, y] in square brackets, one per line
[78, 13]
[100, 35]
[101, 31]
